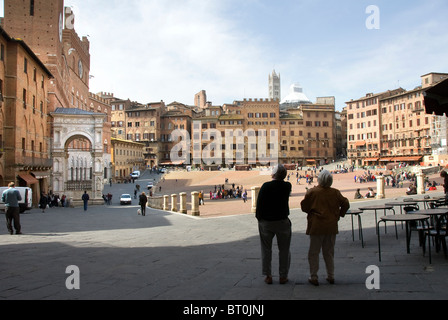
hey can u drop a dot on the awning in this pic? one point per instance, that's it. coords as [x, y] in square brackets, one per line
[41, 174]
[310, 160]
[29, 179]
[360, 143]
[386, 159]
[371, 159]
[172, 163]
[407, 159]
[436, 99]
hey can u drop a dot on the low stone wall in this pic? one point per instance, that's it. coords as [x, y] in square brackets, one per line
[155, 202]
[175, 203]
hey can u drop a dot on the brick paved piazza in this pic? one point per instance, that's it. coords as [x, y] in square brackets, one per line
[170, 256]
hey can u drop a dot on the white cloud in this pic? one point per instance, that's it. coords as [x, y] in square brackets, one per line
[149, 50]
[171, 50]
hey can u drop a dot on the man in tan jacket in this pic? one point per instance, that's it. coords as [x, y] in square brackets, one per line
[324, 206]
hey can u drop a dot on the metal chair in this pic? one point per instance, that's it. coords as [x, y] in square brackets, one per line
[438, 203]
[439, 234]
[417, 226]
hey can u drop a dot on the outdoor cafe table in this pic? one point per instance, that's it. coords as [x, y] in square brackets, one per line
[404, 218]
[357, 213]
[432, 212]
[425, 201]
[379, 207]
[401, 205]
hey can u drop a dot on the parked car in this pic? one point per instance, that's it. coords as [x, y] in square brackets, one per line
[125, 199]
[27, 198]
[135, 174]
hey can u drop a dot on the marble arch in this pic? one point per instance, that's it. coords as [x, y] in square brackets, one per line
[77, 170]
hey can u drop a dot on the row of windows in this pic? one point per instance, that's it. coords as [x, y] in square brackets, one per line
[24, 146]
[363, 136]
[363, 104]
[251, 146]
[120, 124]
[138, 136]
[300, 123]
[292, 134]
[262, 115]
[261, 123]
[389, 126]
[409, 97]
[132, 153]
[363, 125]
[25, 102]
[402, 106]
[317, 124]
[390, 108]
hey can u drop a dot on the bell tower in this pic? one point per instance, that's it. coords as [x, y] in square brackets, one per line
[274, 86]
[38, 22]
[47, 27]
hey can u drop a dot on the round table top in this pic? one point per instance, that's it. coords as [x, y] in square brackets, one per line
[402, 203]
[424, 200]
[376, 207]
[405, 217]
[431, 211]
[354, 211]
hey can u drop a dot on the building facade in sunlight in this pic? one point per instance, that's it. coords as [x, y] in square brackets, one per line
[393, 127]
[48, 28]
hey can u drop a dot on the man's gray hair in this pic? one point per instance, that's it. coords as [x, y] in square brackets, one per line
[279, 172]
[325, 179]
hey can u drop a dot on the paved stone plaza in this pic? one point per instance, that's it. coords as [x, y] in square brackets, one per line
[169, 256]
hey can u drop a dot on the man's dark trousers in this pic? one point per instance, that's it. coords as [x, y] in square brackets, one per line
[13, 214]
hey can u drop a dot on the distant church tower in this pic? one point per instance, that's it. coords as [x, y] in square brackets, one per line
[274, 86]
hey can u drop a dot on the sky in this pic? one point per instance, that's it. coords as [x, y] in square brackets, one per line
[152, 50]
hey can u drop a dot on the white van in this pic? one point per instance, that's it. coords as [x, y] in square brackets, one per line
[135, 174]
[27, 198]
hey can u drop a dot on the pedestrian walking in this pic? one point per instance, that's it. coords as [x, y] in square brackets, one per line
[201, 198]
[272, 214]
[43, 202]
[143, 199]
[324, 206]
[85, 199]
[245, 196]
[11, 198]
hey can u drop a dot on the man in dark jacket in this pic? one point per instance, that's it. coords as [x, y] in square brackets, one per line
[143, 199]
[272, 215]
[85, 198]
[11, 198]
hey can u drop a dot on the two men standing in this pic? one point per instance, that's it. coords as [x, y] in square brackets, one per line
[324, 206]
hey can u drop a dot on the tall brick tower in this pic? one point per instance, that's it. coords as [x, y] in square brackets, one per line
[77, 134]
[38, 22]
[48, 28]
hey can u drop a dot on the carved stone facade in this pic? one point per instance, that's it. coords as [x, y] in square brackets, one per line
[76, 170]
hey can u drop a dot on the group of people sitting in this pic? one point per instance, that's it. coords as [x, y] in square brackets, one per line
[412, 189]
[51, 200]
[370, 194]
[231, 193]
